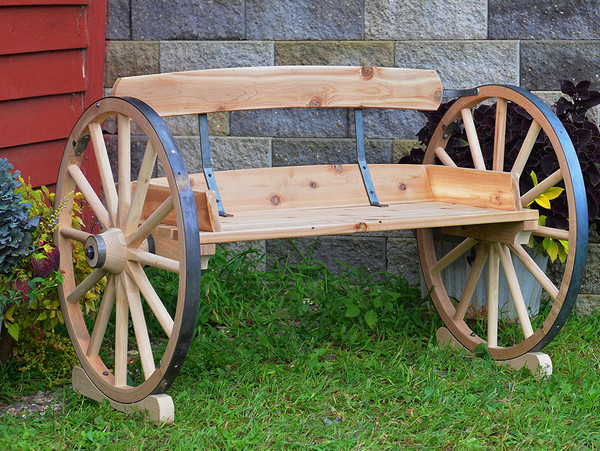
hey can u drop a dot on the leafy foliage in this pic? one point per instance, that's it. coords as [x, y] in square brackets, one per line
[16, 224]
[29, 303]
[309, 297]
[572, 112]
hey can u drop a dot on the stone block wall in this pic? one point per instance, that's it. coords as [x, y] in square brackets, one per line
[468, 42]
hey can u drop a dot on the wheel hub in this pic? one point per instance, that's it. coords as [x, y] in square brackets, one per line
[107, 250]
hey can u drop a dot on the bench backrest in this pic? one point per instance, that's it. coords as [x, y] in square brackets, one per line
[252, 88]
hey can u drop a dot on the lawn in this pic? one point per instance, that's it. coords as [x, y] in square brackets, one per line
[299, 358]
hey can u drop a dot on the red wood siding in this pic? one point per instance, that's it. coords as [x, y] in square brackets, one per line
[51, 69]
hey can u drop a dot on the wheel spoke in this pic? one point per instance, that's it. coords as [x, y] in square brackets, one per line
[108, 182]
[124, 157]
[454, 254]
[102, 318]
[86, 285]
[121, 334]
[156, 261]
[493, 277]
[474, 275]
[467, 117]
[526, 147]
[515, 289]
[541, 187]
[90, 196]
[74, 234]
[157, 216]
[141, 188]
[550, 232]
[160, 312]
[444, 157]
[500, 135]
[535, 270]
[139, 326]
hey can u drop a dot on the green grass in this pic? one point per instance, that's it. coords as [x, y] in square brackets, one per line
[292, 359]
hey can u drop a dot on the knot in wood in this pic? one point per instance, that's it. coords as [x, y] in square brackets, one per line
[437, 95]
[313, 184]
[366, 71]
[275, 200]
[315, 102]
[402, 186]
[361, 227]
[337, 168]
[497, 199]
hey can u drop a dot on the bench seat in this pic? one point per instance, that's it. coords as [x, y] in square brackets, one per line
[296, 201]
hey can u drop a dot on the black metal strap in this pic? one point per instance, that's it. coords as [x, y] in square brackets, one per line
[362, 159]
[206, 162]
[451, 93]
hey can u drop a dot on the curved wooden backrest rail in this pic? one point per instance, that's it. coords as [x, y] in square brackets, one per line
[252, 88]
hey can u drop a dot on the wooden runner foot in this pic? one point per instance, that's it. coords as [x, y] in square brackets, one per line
[538, 363]
[159, 407]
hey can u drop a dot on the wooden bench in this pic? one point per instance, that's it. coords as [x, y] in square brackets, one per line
[170, 221]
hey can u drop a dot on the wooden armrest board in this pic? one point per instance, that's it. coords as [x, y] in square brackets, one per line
[206, 206]
[251, 88]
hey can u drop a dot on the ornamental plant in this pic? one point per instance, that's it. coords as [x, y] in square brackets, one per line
[16, 224]
[573, 111]
[29, 303]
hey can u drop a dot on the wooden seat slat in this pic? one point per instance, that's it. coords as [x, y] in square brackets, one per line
[293, 223]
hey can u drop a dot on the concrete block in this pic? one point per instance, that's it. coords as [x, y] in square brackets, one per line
[304, 151]
[334, 251]
[402, 147]
[191, 55]
[187, 19]
[335, 53]
[426, 19]
[119, 24]
[544, 19]
[226, 152]
[463, 64]
[304, 19]
[591, 272]
[389, 123]
[545, 63]
[218, 124]
[128, 58]
[243, 246]
[293, 122]
[403, 258]
[587, 304]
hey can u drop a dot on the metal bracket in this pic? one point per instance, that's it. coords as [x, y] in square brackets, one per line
[461, 92]
[206, 162]
[451, 128]
[362, 159]
[80, 145]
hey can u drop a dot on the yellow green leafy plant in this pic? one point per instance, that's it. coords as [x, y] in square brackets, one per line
[554, 248]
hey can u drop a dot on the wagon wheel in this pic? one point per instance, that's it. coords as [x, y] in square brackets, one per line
[148, 332]
[529, 331]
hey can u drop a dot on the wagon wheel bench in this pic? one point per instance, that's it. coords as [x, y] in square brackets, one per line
[173, 221]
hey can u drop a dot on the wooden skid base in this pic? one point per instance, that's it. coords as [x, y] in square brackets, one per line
[159, 407]
[538, 363]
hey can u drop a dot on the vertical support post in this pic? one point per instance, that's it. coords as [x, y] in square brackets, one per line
[206, 162]
[362, 159]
